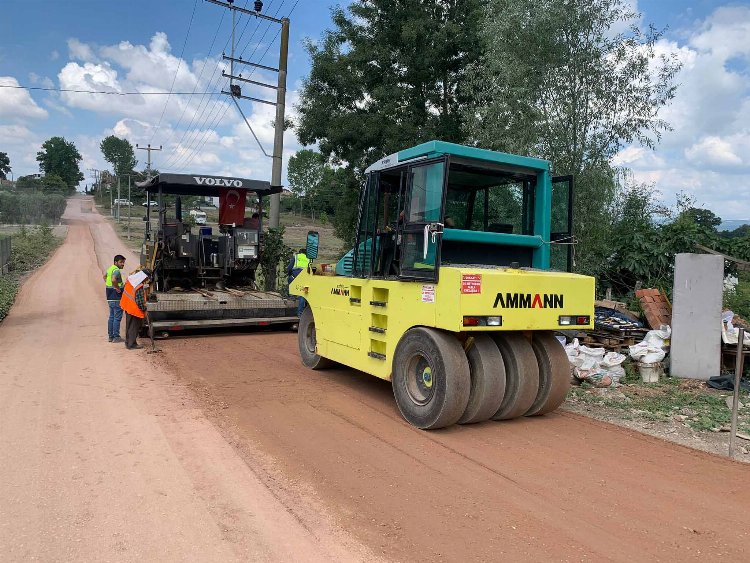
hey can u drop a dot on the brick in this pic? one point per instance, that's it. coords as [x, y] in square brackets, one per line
[653, 320]
[640, 293]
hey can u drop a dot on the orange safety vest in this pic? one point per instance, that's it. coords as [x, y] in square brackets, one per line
[127, 301]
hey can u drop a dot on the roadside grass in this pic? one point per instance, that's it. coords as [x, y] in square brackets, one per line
[687, 401]
[31, 247]
[295, 236]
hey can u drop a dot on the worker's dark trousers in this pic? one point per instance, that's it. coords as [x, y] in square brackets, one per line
[132, 328]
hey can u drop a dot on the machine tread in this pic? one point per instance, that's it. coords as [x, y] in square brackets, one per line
[487, 379]
[554, 373]
[521, 372]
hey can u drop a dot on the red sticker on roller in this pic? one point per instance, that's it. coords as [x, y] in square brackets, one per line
[471, 283]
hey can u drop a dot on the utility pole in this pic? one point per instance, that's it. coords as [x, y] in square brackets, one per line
[95, 172]
[235, 92]
[130, 204]
[278, 134]
[118, 199]
[148, 148]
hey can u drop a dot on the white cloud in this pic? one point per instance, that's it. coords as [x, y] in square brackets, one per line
[726, 33]
[81, 51]
[709, 147]
[15, 134]
[713, 151]
[44, 81]
[16, 103]
[153, 65]
[125, 67]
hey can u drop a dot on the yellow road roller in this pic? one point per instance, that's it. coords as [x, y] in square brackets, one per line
[457, 282]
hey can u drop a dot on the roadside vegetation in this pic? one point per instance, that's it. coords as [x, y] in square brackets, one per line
[684, 401]
[522, 83]
[31, 247]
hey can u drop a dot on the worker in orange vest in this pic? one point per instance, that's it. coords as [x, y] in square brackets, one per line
[133, 302]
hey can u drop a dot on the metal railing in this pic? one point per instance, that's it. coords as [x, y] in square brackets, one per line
[4, 255]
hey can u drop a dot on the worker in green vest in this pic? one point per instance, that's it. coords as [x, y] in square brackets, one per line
[113, 286]
[298, 263]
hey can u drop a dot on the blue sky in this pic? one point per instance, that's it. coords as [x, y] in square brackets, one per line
[136, 45]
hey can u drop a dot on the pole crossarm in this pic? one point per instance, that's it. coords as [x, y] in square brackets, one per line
[241, 79]
[245, 11]
[248, 98]
[250, 63]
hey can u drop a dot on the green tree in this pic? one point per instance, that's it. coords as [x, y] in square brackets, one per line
[120, 154]
[4, 166]
[53, 184]
[306, 173]
[703, 217]
[28, 183]
[61, 158]
[388, 75]
[556, 81]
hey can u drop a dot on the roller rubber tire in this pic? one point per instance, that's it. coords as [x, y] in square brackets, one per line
[444, 382]
[554, 373]
[307, 342]
[521, 375]
[487, 380]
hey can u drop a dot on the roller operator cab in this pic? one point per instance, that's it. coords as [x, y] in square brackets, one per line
[457, 282]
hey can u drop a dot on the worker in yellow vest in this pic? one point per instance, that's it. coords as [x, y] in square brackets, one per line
[133, 302]
[113, 286]
[298, 263]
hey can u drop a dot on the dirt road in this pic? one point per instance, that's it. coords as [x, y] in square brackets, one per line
[106, 457]
[224, 447]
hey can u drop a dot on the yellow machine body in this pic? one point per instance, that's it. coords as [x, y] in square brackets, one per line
[359, 321]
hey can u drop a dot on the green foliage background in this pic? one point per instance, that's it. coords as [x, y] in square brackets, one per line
[30, 249]
[21, 207]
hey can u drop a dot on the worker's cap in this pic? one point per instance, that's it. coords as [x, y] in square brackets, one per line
[146, 271]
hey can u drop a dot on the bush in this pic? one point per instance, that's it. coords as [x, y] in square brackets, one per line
[275, 257]
[8, 290]
[31, 207]
[30, 249]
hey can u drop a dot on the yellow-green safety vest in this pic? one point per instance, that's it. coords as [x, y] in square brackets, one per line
[111, 270]
[301, 261]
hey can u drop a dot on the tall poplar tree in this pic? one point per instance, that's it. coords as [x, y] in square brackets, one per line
[388, 75]
[571, 81]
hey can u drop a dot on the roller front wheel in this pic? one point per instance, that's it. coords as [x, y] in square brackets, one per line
[431, 381]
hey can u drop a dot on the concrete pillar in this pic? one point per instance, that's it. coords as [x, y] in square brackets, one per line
[695, 351]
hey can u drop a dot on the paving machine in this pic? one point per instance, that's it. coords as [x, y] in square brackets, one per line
[456, 285]
[204, 275]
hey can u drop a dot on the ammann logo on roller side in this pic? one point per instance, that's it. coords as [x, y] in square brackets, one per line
[340, 290]
[529, 301]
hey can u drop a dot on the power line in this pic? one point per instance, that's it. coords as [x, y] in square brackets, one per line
[190, 132]
[107, 92]
[197, 83]
[176, 72]
[196, 139]
[188, 154]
